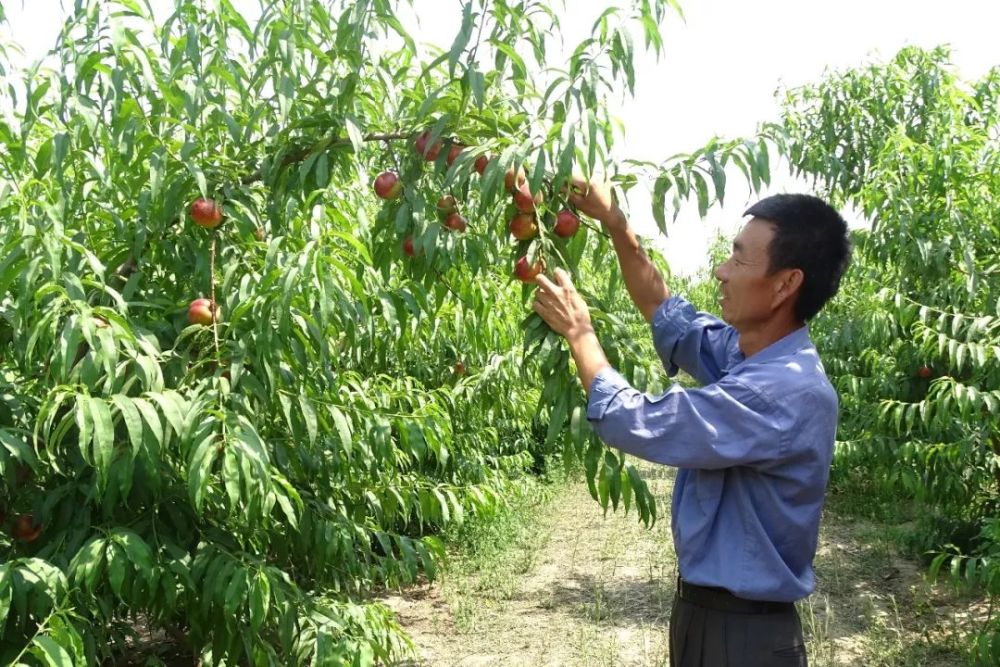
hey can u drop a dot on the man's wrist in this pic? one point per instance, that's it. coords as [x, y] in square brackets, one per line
[581, 334]
[616, 221]
[588, 355]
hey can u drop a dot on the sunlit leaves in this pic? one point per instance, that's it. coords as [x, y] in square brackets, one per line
[914, 336]
[254, 476]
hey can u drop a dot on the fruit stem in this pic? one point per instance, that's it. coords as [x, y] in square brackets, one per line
[394, 154]
[597, 230]
[38, 632]
[479, 35]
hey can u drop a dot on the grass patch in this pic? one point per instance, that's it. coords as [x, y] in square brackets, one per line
[488, 558]
[872, 605]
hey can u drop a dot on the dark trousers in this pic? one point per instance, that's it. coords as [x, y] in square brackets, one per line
[710, 627]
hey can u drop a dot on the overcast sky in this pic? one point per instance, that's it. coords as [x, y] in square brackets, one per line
[718, 75]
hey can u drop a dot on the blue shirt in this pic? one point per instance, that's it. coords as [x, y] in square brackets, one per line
[753, 444]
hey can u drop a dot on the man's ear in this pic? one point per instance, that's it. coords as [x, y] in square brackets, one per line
[788, 284]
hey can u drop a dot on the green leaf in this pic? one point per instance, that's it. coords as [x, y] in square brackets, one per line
[557, 417]
[87, 563]
[403, 219]
[260, 600]
[18, 448]
[576, 423]
[444, 511]
[660, 188]
[763, 162]
[174, 407]
[505, 49]
[116, 567]
[626, 490]
[284, 495]
[49, 651]
[611, 471]
[644, 500]
[718, 173]
[591, 141]
[567, 158]
[231, 474]
[84, 422]
[591, 460]
[477, 84]
[151, 418]
[104, 435]
[5, 594]
[535, 183]
[343, 427]
[139, 553]
[235, 592]
[133, 420]
[461, 39]
[354, 132]
[701, 187]
[200, 468]
[309, 416]
[199, 177]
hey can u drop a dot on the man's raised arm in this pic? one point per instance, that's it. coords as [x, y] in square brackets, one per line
[644, 283]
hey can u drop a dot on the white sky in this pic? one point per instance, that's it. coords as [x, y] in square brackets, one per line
[717, 77]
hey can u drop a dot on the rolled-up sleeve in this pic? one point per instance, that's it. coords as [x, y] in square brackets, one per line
[605, 387]
[723, 425]
[698, 343]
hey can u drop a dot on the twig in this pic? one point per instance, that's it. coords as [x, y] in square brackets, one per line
[302, 153]
[479, 34]
[444, 281]
[595, 228]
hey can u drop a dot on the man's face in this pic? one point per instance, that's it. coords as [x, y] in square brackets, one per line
[747, 292]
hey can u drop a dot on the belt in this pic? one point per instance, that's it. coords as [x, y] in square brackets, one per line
[720, 599]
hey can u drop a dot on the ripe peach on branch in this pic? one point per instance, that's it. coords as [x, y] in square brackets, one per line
[567, 223]
[456, 222]
[203, 312]
[526, 272]
[523, 226]
[206, 213]
[387, 185]
[429, 151]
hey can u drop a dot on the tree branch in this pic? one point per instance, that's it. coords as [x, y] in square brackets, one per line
[301, 154]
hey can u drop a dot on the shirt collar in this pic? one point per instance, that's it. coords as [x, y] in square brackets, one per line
[789, 344]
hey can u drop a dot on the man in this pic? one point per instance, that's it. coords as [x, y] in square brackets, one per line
[753, 444]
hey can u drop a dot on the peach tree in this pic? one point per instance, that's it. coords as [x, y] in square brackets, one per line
[913, 342]
[240, 390]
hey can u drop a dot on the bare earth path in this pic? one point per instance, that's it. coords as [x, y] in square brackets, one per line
[580, 589]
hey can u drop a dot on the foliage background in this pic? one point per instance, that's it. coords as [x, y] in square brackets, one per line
[244, 487]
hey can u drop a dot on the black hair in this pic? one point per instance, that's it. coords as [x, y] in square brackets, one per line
[810, 235]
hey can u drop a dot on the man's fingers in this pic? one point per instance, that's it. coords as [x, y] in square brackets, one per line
[545, 283]
[563, 278]
[576, 186]
[579, 183]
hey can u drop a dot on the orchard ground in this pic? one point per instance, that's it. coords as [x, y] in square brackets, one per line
[553, 582]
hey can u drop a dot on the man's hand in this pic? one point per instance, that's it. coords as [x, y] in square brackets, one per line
[596, 200]
[644, 283]
[561, 306]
